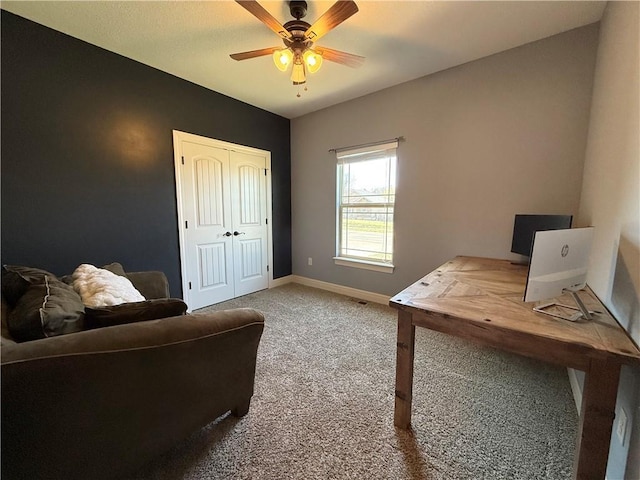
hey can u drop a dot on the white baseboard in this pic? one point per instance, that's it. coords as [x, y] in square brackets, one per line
[331, 287]
[342, 290]
[575, 388]
[277, 282]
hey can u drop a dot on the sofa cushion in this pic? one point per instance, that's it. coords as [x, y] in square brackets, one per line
[98, 317]
[46, 309]
[16, 280]
[99, 287]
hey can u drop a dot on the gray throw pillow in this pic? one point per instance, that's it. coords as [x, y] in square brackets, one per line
[116, 268]
[45, 310]
[16, 280]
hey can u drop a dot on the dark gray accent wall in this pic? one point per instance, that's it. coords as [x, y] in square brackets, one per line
[87, 154]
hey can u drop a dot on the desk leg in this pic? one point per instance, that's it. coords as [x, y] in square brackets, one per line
[596, 420]
[404, 370]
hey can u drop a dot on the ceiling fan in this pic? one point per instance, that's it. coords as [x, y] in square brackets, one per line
[299, 38]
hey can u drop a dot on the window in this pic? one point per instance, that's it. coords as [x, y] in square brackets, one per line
[366, 196]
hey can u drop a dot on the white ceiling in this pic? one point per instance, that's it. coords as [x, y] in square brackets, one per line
[401, 40]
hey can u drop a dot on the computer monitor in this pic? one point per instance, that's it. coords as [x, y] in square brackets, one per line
[559, 263]
[525, 226]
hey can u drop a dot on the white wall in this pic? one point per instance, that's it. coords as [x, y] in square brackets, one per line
[611, 202]
[502, 135]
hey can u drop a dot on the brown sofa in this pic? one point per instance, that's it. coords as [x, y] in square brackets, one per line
[101, 403]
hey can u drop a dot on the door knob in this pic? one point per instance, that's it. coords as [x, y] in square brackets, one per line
[236, 233]
[227, 234]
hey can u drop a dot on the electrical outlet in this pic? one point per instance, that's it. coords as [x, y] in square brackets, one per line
[310, 261]
[621, 429]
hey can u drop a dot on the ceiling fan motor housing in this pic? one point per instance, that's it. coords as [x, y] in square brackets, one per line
[298, 8]
[297, 27]
[298, 42]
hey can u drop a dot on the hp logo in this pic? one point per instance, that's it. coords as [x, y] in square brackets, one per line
[565, 251]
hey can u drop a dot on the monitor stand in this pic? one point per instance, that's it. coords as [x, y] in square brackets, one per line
[580, 312]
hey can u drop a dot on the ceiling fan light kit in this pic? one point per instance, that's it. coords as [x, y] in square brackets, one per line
[312, 60]
[299, 36]
[282, 59]
[297, 74]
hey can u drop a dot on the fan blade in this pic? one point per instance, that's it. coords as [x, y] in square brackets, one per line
[265, 17]
[348, 59]
[254, 53]
[338, 13]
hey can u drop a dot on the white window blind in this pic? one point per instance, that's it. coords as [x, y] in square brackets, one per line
[366, 184]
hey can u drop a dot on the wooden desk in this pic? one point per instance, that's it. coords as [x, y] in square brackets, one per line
[480, 299]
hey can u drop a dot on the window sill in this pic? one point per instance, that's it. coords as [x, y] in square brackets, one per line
[364, 264]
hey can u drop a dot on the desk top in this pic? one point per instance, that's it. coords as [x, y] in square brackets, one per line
[481, 299]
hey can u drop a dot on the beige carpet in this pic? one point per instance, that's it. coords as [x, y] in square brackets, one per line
[323, 404]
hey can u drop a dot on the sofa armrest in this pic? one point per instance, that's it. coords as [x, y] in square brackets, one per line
[116, 397]
[151, 284]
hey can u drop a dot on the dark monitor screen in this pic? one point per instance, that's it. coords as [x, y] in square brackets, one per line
[525, 226]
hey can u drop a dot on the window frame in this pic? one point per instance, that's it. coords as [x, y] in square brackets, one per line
[353, 155]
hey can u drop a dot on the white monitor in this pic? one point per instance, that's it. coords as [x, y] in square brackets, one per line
[559, 263]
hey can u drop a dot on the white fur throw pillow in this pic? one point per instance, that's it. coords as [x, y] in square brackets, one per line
[100, 288]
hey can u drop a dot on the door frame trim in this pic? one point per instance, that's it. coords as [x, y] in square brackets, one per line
[178, 137]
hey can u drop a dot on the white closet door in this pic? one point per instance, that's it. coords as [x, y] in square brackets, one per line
[249, 213]
[207, 228]
[222, 208]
